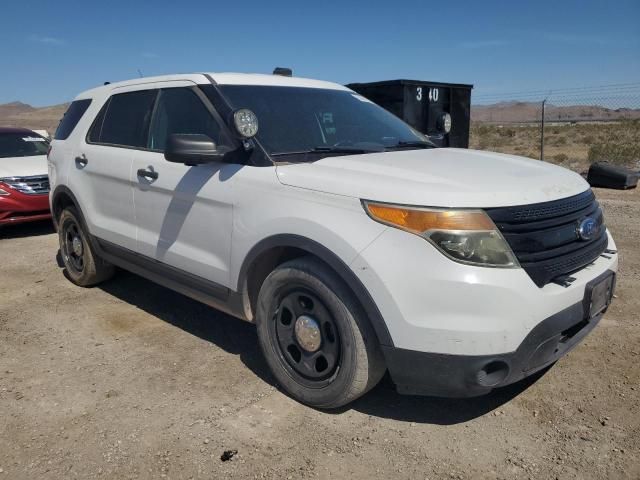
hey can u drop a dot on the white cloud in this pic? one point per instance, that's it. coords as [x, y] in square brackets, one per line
[47, 40]
[574, 39]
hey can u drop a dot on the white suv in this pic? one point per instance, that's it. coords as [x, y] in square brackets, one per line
[353, 244]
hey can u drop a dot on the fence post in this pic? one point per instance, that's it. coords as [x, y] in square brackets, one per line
[542, 132]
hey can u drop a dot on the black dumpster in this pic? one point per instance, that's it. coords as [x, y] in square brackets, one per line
[424, 106]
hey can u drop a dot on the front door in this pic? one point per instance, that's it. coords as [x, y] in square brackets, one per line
[184, 214]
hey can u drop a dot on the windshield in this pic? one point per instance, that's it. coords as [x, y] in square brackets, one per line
[22, 145]
[295, 120]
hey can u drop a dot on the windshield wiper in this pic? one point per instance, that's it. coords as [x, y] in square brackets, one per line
[412, 144]
[329, 149]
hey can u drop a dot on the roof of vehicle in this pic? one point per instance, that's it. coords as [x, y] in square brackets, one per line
[226, 78]
[17, 130]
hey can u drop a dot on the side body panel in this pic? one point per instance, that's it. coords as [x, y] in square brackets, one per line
[265, 208]
[184, 217]
[103, 186]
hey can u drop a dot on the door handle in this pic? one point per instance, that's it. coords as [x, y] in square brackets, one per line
[148, 174]
[82, 161]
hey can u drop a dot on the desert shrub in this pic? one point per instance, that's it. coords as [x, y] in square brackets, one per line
[482, 130]
[618, 153]
[561, 157]
[483, 144]
[507, 132]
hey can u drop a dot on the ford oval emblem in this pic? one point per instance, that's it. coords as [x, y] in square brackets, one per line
[587, 229]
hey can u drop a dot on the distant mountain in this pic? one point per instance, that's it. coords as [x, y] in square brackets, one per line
[18, 114]
[516, 112]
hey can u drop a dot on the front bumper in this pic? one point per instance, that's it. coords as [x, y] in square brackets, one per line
[20, 208]
[449, 321]
[432, 304]
[421, 373]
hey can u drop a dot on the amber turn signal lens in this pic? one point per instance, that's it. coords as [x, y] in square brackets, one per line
[419, 221]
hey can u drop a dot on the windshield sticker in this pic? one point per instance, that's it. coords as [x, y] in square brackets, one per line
[34, 139]
[361, 98]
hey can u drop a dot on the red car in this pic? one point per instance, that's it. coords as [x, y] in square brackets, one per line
[24, 183]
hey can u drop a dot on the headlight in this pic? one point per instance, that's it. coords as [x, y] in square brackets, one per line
[466, 236]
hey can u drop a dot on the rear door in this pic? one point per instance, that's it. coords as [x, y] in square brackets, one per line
[184, 214]
[103, 164]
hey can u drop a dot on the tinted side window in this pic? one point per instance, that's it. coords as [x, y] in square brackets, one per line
[96, 128]
[71, 118]
[179, 110]
[126, 120]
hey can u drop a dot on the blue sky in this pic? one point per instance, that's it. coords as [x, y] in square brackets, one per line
[52, 50]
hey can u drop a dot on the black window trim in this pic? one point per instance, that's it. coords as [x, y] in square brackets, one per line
[224, 128]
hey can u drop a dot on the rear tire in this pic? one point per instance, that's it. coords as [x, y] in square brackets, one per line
[315, 336]
[82, 265]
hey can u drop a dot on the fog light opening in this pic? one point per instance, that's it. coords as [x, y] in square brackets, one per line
[493, 373]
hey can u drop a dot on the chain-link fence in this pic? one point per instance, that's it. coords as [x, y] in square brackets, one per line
[574, 127]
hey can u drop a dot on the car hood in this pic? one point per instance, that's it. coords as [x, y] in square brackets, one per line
[439, 177]
[23, 166]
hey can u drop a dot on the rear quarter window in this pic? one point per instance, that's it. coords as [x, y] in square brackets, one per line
[71, 118]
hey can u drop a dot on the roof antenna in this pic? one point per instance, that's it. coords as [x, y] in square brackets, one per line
[140, 73]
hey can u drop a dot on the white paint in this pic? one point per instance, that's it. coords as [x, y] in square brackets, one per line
[206, 219]
[23, 166]
[439, 177]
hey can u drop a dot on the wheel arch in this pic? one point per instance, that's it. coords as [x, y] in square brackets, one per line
[61, 198]
[275, 250]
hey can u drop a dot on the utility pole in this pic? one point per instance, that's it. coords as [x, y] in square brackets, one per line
[542, 131]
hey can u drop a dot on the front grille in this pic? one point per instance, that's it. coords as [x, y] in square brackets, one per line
[34, 185]
[544, 236]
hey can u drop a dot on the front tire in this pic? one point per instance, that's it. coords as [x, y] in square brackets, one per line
[315, 336]
[82, 265]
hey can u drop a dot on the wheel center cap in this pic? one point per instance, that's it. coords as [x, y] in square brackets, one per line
[308, 333]
[77, 246]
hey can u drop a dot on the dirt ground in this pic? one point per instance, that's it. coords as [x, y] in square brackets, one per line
[131, 380]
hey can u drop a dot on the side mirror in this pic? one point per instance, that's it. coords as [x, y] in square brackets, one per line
[192, 149]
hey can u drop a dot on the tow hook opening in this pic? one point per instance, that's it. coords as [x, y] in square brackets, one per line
[570, 332]
[493, 373]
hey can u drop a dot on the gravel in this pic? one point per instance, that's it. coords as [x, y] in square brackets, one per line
[131, 380]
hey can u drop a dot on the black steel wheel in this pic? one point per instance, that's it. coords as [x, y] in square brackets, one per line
[315, 336]
[82, 265]
[306, 335]
[72, 247]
